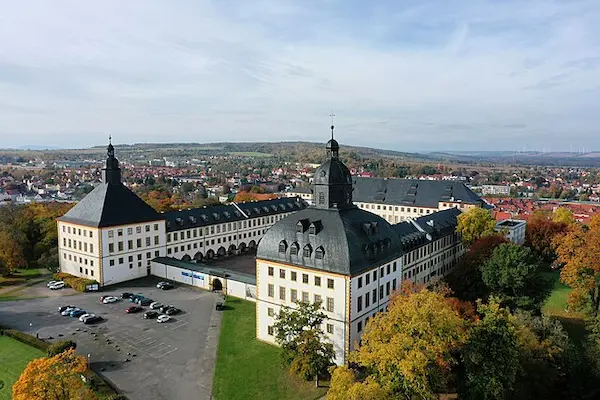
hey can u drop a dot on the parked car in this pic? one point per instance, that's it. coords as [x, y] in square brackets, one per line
[57, 285]
[165, 308]
[133, 309]
[172, 311]
[163, 318]
[164, 285]
[156, 305]
[67, 311]
[77, 313]
[92, 320]
[136, 298]
[63, 308]
[126, 295]
[150, 314]
[145, 302]
[51, 283]
[110, 299]
[86, 316]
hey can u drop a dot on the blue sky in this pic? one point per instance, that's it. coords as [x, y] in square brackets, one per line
[404, 75]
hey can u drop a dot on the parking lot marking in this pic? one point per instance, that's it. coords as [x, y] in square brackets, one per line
[179, 325]
[169, 349]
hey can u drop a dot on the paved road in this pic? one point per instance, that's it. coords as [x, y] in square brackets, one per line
[171, 361]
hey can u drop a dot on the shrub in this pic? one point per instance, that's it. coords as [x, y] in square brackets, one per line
[27, 339]
[75, 282]
[59, 347]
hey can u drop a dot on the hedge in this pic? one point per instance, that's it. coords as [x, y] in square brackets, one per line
[25, 338]
[73, 281]
[60, 347]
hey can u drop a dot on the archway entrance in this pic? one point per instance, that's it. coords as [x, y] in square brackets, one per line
[198, 257]
[217, 285]
[231, 250]
[210, 254]
[221, 252]
[186, 258]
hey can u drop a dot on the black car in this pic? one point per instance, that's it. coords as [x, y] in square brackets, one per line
[150, 314]
[92, 320]
[145, 302]
[172, 311]
[164, 309]
[63, 308]
[126, 295]
[164, 285]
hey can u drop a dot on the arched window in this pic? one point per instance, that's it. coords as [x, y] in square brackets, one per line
[294, 249]
[307, 250]
[319, 253]
[282, 246]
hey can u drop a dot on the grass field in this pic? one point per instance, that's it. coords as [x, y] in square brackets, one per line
[249, 154]
[556, 306]
[14, 356]
[21, 276]
[249, 369]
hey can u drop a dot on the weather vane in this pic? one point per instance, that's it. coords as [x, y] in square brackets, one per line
[332, 115]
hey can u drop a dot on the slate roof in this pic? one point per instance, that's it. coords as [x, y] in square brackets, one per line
[210, 215]
[414, 192]
[110, 204]
[414, 233]
[352, 240]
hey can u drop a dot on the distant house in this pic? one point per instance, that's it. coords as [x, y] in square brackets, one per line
[495, 190]
[513, 229]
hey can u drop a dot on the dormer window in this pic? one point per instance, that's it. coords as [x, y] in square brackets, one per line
[204, 217]
[307, 251]
[216, 216]
[319, 253]
[282, 246]
[192, 219]
[312, 229]
[179, 221]
[294, 249]
[299, 227]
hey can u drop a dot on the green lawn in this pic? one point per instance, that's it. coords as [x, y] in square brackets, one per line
[14, 356]
[249, 369]
[21, 276]
[556, 306]
[249, 154]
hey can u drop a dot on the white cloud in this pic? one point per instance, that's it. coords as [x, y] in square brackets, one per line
[432, 75]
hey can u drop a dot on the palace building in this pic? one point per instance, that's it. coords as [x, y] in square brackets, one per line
[112, 235]
[349, 259]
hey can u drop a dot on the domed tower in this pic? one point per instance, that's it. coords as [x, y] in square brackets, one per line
[332, 180]
[112, 172]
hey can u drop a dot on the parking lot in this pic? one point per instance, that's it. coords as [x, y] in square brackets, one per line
[144, 359]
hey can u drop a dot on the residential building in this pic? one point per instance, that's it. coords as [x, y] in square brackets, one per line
[513, 229]
[495, 190]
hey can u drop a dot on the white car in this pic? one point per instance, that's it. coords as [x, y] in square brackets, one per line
[155, 305]
[163, 318]
[51, 283]
[57, 285]
[110, 299]
[86, 316]
[68, 311]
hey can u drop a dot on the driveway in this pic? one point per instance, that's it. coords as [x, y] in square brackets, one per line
[144, 359]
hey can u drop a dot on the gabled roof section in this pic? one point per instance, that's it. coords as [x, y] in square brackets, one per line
[414, 192]
[110, 204]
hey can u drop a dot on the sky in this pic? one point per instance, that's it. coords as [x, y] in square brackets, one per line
[407, 75]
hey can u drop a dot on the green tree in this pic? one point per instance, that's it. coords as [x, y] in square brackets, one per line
[490, 356]
[60, 347]
[474, 224]
[305, 347]
[563, 215]
[512, 274]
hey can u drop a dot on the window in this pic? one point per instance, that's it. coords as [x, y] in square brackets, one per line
[281, 293]
[318, 299]
[359, 326]
[359, 304]
[374, 275]
[307, 250]
[148, 255]
[111, 247]
[294, 295]
[80, 270]
[139, 243]
[147, 228]
[359, 282]
[293, 276]
[138, 229]
[319, 253]
[282, 273]
[374, 295]
[168, 237]
[111, 234]
[156, 240]
[388, 269]
[394, 284]
[330, 304]
[270, 271]
[270, 312]
[147, 241]
[155, 227]
[156, 253]
[304, 278]
[394, 267]
[367, 279]
[312, 229]
[317, 281]
[387, 288]
[330, 328]
[329, 283]
[367, 299]
[294, 249]
[305, 297]
[130, 231]
[91, 271]
[91, 236]
[120, 232]
[120, 260]
[120, 246]
[270, 330]
[271, 290]
[321, 198]
[380, 292]
[282, 246]
[111, 263]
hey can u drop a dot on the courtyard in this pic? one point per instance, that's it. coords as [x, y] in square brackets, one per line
[144, 359]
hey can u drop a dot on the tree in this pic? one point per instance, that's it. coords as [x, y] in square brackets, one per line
[541, 234]
[474, 224]
[578, 251]
[54, 378]
[512, 274]
[344, 386]
[490, 356]
[410, 350]
[465, 279]
[60, 347]
[304, 345]
[11, 252]
[563, 215]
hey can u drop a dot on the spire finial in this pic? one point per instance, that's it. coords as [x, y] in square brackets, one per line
[109, 139]
[332, 115]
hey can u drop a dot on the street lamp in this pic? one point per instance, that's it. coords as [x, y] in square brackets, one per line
[88, 360]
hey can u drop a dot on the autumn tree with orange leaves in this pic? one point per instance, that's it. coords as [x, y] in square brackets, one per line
[54, 378]
[542, 231]
[578, 251]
